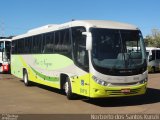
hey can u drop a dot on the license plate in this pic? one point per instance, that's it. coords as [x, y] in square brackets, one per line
[126, 90]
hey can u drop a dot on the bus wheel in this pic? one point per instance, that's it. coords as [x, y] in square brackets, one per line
[68, 89]
[25, 78]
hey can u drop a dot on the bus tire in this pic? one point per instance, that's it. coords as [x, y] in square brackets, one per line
[68, 89]
[25, 79]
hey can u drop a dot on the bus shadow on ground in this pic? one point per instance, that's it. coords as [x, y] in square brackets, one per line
[50, 89]
[4, 77]
[54, 90]
[58, 91]
[152, 96]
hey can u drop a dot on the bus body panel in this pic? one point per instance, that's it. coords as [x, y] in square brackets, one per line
[47, 68]
[43, 74]
[114, 89]
[153, 59]
[81, 84]
[101, 92]
[154, 64]
[5, 47]
[39, 68]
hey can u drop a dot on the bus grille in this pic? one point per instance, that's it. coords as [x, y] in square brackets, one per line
[124, 84]
[119, 93]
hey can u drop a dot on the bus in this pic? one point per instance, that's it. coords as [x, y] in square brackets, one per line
[83, 57]
[153, 57]
[5, 48]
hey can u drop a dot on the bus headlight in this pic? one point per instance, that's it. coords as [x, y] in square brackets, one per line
[99, 81]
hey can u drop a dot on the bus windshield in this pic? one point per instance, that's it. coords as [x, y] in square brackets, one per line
[1, 46]
[8, 46]
[118, 52]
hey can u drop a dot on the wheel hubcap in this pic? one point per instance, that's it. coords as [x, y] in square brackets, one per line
[25, 78]
[66, 87]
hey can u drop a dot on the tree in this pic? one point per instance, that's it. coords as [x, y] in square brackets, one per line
[153, 40]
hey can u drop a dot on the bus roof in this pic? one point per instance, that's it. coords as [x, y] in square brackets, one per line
[152, 48]
[85, 23]
[5, 39]
[109, 24]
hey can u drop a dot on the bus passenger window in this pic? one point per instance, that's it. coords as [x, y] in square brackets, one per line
[48, 45]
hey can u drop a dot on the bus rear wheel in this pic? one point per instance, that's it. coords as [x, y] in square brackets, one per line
[25, 78]
[68, 89]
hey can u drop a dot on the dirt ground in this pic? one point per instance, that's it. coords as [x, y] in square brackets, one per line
[15, 98]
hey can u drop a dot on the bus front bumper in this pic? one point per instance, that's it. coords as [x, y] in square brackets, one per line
[118, 91]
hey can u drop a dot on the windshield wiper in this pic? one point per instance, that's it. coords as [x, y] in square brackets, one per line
[126, 62]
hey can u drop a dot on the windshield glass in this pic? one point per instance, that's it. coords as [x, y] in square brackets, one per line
[8, 46]
[114, 50]
[1, 46]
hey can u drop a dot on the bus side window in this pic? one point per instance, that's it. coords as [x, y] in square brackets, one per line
[28, 45]
[158, 54]
[62, 43]
[153, 55]
[20, 48]
[14, 47]
[57, 42]
[65, 42]
[49, 43]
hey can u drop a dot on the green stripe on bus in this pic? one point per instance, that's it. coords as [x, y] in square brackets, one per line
[48, 78]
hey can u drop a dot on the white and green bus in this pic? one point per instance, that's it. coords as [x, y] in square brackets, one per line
[153, 56]
[5, 48]
[84, 57]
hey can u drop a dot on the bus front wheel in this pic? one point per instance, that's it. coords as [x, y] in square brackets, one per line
[25, 78]
[68, 89]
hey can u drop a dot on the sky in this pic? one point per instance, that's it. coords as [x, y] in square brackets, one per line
[19, 16]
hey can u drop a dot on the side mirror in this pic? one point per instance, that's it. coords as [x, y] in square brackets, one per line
[88, 40]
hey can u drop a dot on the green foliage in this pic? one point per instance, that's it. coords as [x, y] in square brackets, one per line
[153, 40]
